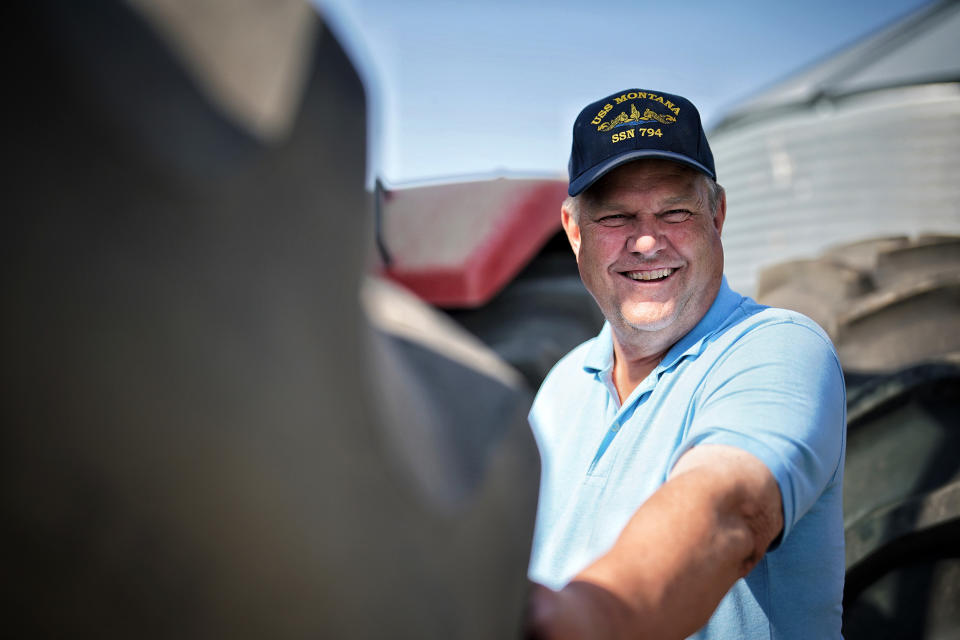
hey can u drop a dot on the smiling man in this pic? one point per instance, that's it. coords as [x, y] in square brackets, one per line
[693, 451]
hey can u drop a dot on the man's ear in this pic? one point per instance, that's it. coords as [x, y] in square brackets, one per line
[572, 228]
[721, 212]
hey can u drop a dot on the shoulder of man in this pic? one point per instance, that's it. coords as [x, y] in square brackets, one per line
[774, 320]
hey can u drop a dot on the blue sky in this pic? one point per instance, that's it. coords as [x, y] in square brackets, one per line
[469, 89]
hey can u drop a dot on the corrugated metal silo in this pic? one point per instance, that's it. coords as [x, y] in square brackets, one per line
[865, 143]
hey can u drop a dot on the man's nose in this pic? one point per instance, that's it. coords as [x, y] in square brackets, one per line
[645, 238]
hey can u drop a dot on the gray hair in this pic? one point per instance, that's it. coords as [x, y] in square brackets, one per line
[714, 195]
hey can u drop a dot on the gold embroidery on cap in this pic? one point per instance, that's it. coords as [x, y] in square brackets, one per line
[623, 118]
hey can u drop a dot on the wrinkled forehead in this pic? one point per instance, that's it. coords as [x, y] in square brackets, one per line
[656, 178]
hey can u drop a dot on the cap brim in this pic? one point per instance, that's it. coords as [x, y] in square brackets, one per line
[587, 178]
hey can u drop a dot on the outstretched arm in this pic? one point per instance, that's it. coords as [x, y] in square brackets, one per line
[679, 554]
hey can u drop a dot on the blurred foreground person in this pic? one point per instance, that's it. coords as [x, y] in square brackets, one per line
[693, 451]
[214, 425]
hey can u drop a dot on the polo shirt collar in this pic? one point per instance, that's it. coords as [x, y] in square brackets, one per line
[724, 304]
[599, 358]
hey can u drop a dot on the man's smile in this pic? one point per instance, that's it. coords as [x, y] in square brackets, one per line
[650, 274]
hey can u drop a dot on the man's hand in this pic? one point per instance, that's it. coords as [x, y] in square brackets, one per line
[679, 554]
[579, 610]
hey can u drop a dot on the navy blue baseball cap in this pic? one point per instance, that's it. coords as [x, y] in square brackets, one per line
[634, 124]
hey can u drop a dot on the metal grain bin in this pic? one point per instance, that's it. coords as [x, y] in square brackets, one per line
[864, 143]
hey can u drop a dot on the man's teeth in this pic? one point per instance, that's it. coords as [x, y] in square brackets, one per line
[649, 275]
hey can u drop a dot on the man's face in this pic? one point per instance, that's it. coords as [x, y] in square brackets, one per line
[648, 248]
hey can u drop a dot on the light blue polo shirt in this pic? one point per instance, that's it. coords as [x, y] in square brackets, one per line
[765, 380]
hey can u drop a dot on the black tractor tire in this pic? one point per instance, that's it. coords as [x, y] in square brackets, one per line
[892, 307]
[539, 317]
[902, 505]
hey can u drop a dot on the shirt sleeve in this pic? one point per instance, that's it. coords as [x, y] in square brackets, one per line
[778, 393]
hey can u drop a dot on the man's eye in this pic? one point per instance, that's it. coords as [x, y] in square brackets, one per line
[676, 215]
[616, 218]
